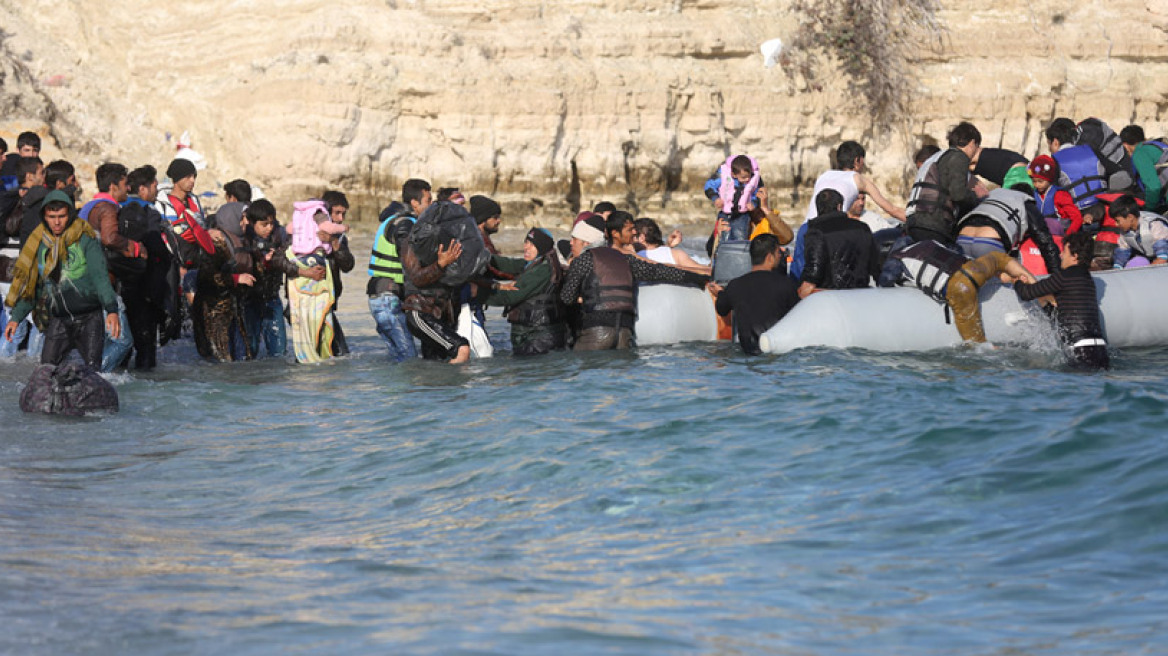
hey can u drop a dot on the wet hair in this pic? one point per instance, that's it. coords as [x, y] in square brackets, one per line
[741, 164]
[108, 175]
[444, 193]
[1125, 205]
[828, 200]
[650, 232]
[336, 199]
[1132, 135]
[141, 177]
[414, 189]
[615, 222]
[26, 167]
[847, 154]
[261, 210]
[1062, 129]
[926, 151]
[239, 189]
[604, 206]
[28, 139]
[762, 246]
[963, 133]
[58, 171]
[1081, 245]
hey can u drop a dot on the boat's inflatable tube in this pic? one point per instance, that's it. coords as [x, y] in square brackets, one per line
[668, 314]
[904, 319]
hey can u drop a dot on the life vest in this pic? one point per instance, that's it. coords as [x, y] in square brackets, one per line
[1140, 240]
[729, 188]
[385, 261]
[172, 209]
[1106, 144]
[543, 309]
[610, 287]
[1081, 173]
[1006, 208]
[1045, 203]
[930, 265]
[1109, 232]
[927, 198]
[1031, 256]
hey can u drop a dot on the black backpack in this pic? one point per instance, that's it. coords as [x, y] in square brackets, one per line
[442, 223]
[1106, 144]
[68, 389]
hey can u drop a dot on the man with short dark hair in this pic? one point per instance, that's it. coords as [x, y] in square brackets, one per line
[1081, 171]
[761, 298]
[28, 144]
[944, 188]
[102, 214]
[386, 275]
[839, 252]
[150, 294]
[340, 260]
[63, 271]
[1150, 162]
[61, 175]
[237, 191]
[603, 279]
[848, 178]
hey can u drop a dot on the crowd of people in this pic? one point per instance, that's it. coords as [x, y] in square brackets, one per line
[141, 264]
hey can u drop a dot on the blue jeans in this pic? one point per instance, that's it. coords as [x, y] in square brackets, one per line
[391, 325]
[36, 340]
[115, 350]
[265, 320]
[739, 226]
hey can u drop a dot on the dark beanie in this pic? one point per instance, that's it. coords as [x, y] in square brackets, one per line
[181, 168]
[541, 239]
[483, 208]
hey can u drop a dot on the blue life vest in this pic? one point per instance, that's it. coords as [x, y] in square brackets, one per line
[1081, 174]
[1046, 203]
[88, 207]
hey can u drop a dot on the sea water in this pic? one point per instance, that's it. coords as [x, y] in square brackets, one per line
[668, 500]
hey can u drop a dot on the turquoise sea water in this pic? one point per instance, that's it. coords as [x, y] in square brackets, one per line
[681, 500]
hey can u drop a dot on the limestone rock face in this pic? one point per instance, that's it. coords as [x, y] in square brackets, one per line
[544, 105]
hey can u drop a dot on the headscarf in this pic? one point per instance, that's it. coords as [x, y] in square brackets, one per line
[25, 275]
[229, 219]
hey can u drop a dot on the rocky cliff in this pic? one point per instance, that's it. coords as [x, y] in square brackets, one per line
[546, 105]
